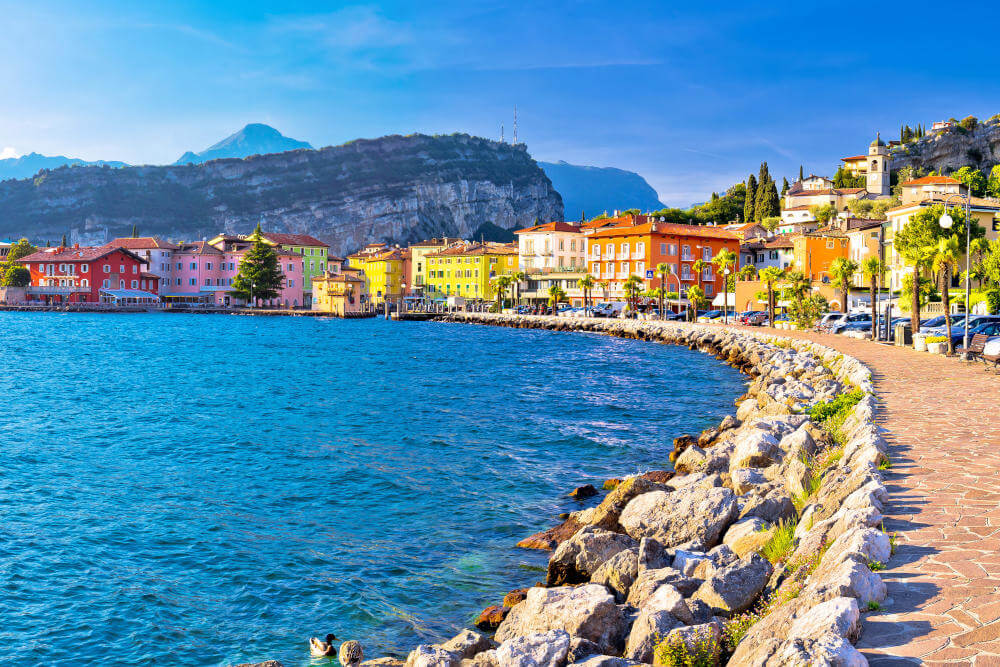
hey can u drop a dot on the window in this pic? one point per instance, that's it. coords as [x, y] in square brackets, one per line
[640, 249]
[194, 266]
[561, 244]
[121, 268]
[609, 268]
[84, 283]
[829, 244]
[663, 248]
[686, 252]
[640, 269]
[673, 248]
[208, 265]
[121, 284]
[191, 281]
[208, 282]
[107, 268]
[610, 251]
[623, 267]
[572, 244]
[291, 268]
[291, 282]
[106, 284]
[135, 284]
[706, 253]
[709, 289]
[84, 268]
[135, 268]
[595, 250]
[624, 249]
[179, 266]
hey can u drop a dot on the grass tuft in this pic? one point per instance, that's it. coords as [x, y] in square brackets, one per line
[781, 543]
[874, 606]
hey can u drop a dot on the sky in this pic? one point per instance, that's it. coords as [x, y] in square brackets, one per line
[693, 96]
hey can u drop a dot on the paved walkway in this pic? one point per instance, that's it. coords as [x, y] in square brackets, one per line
[943, 421]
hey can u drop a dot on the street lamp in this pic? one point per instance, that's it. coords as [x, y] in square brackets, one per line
[725, 295]
[946, 222]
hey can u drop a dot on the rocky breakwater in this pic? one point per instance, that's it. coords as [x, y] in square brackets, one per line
[762, 549]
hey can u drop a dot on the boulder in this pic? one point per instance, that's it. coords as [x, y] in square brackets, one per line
[484, 659]
[668, 599]
[708, 634]
[708, 436]
[547, 540]
[547, 649]
[466, 644]
[578, 558]
[828, 651]
[657, 617]
[605, 661]
[728, 422]
[607, 513]
[774, 507]
[428, 655]
[587, 611]
[618, 573]
[747, 535]
[377, 662]
[658, 476]
[692, 515]
[744, 480]
[516, 596]
[580, 649]
[797, 477]
[839, 616]
[582, 492]
[650, 580]
[652, 555]
[692, 460]
[735, 588]
[686, 562]
[755, 448]
[798, 444]
[490, 618]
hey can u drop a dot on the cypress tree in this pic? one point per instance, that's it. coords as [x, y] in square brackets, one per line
[801, 177]
[135, 232]
[751, 198]
[764, 176]
[259, 274]
[63, 242]
[784, 186]
[768, 203]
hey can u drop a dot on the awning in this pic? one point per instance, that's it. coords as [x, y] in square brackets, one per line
[720, 299]
[129, 295]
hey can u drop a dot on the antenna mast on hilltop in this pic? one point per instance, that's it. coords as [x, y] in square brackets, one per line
[515, 124]
[501, 133]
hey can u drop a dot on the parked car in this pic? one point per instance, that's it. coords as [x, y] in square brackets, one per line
[958, 322]
[710, 316]
[836, 324]
[610, 309]
[989, 326]
[824, 321]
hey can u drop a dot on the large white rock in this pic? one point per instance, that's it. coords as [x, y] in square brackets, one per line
[747, 535]
[587, 611]
[839, 616]
[692, 516]
[735, 588]
[755, 448]
[578, 558]
[546, 649]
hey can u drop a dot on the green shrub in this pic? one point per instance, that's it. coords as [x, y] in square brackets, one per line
[936, 339]
[876, 565]
[782, 542]
[704, 651]
[874, 606]
[823, 411]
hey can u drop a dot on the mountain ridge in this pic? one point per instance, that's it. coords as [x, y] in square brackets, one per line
[252, 139]
[595, 190]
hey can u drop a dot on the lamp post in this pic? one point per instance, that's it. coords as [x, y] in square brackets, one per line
[251, 293]
[725, 296]
[946, 222]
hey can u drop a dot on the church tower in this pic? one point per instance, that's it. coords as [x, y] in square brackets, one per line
[877, 178]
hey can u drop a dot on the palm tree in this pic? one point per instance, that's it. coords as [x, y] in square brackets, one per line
[843, 269]
[698, 266]
[502, 283]
[664, 270]
[770, 275]
[871, 268]
[799, 285]
[748, 272]
[518, 277]
[724, 261]
[556, 294]
[945, 259]
[917, 257]
[696, 298]
[632, 287]
[587, 285]
[604, 288]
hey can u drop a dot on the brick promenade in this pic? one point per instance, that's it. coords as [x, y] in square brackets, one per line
[942, 418]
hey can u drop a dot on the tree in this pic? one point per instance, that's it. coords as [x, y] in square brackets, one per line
[725, 261]
[587, 285]
[770, 275]
[698, 267]
[664, 270]
[973, 179]
[944, 260]
[517, 278]
[916, 241]
[502, 283]
[799, 287]
[784, 186]
[259, 276]
[62, 242]
[750, 199]
[632, 286]
[135, 232]
[871, 268]
[771, 222]
[801, 177]
[843, 269]
[768, 202]
[556, 295]
[823, 213]
[13, 274]
[696, 298]
[748, 272]
[993, 183]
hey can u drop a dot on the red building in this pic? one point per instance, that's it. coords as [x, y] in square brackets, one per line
[93, 274]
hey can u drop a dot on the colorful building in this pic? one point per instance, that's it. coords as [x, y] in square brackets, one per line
[342, 294]
[89, 275]
[554, 246]
[384, 269]
[418, 264]
[617, 252]
[314, 256]
[815, 251]
[469, 270]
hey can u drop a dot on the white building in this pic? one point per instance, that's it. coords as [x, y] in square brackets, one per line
[554, 246]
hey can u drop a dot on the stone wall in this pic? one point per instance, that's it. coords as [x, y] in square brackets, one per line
[679, 561]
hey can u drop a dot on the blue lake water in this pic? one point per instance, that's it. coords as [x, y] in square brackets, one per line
[207, 490]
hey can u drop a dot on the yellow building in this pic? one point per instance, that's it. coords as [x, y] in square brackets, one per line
[468, 270]
[418, 263]
[342, 294]
[384, 269]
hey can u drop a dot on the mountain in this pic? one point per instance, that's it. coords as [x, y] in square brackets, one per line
[594, 190]
[953, 148]
[254, 139]
[490, 232]
[28, 165]
[395, 189]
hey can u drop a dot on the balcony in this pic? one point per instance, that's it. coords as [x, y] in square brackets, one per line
[56, 289]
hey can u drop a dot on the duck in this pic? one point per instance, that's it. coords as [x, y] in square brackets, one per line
[320, 649]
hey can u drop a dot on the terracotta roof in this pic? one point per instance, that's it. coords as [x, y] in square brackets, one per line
[803, 207]
[147, 274]
[552, 227]
[861, 224]
[669, 229]
[827, 191]
[294, 239]
[854, 158]
[933, 198]
[476, 249]
[142, 243]
[781, 241]
[85, 254]
[198, 248]
[933, 180]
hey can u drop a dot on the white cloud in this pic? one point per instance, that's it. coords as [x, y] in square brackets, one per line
[9, 152]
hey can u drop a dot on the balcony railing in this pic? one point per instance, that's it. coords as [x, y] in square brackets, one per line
[56, 289]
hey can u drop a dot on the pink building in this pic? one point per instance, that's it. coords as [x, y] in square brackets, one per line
[204, 273]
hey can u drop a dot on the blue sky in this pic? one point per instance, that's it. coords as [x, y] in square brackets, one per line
[692, 96]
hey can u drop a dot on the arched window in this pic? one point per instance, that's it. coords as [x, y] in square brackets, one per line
[84, 283]
[874, 165]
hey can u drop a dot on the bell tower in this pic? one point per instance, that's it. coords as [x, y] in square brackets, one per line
[877, 177]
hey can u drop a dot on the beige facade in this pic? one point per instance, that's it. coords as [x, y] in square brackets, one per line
[555, 246]
[341, 294]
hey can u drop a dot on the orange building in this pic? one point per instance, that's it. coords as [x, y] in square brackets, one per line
[636, 246]
[815, 251]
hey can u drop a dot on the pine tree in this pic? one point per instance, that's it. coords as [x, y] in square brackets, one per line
[259, 274]
[784, 186]
[751, 198]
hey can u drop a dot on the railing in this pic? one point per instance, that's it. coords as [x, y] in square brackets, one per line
[55, 289]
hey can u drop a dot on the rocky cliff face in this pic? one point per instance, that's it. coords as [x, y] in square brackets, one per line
[953, 148]
[395, 189]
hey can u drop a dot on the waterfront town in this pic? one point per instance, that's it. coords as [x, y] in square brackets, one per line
[832, 248]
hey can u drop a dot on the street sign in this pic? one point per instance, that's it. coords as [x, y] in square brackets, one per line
[649, 274]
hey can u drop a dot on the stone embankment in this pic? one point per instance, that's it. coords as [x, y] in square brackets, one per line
[762, 549]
